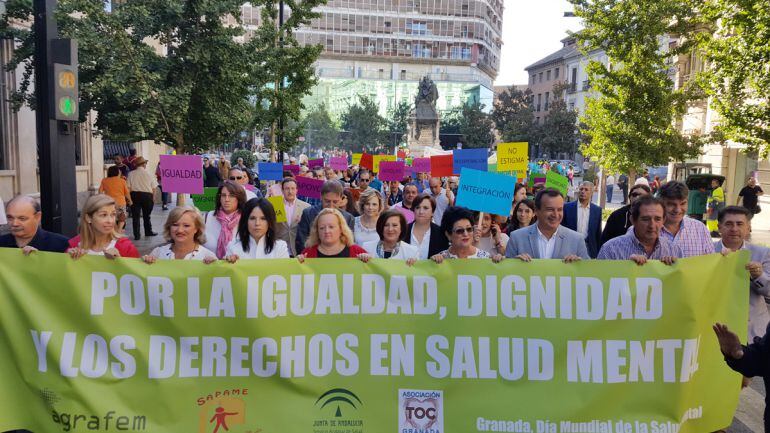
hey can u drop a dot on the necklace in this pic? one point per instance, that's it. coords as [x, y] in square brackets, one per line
[381, 250]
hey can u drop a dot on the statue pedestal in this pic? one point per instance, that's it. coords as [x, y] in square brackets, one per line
[428, 138]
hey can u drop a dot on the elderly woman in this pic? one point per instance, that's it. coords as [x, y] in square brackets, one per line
[97, 233]
[491, 239]
[423, 232]
[458, 223]
[392, 229]
[256, 234]
[184, 231]
[371, 206]
[330, 237]
[523, 215]
[222, 222]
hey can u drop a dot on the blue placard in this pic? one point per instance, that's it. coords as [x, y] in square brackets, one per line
[486, 192]
[475, 159]
[270, 171]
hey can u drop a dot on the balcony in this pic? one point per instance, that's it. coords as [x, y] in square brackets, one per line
[572, 88]
[586, 85]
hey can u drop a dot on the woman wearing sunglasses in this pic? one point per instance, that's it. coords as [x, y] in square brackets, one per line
[458, 224]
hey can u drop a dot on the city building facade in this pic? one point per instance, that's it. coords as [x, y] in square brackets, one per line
[547, 73]
[579, 88]
[382, 48]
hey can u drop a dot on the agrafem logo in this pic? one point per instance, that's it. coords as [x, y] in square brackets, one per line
[338, 396]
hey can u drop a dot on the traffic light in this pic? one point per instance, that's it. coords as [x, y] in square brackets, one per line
[65, 92]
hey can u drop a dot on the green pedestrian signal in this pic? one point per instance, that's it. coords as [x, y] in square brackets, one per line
[65, 91]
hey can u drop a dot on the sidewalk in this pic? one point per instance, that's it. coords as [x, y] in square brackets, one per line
[147, 243]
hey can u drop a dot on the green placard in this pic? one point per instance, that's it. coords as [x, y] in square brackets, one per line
[207, 201]
[557, 181]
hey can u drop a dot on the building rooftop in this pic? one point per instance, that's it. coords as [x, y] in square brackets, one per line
[561, 54]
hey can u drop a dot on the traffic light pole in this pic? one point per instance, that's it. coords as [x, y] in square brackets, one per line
[55, 138]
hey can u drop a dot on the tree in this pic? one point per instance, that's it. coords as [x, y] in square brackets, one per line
[320, 130]
[366, 129]
[738, 78]
[631, 121]
[398, 119]
[513, 115]
[172, 71]
[558, 134]
[476, 127]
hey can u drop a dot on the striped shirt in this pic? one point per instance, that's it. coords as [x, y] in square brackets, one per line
[623, 247]
[693, 238]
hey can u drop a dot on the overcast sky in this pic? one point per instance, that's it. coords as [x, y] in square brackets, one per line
[531, 31]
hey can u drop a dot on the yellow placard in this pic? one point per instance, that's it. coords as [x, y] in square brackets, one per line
[280, 209]
[512, 157]
[378, 158]
[356, 158]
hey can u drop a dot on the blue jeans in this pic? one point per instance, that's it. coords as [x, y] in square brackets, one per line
[609, 193]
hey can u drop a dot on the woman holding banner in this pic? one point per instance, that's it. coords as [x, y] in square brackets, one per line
[392, 229]
[97, 232]
[256, 234]
[371, 206]
[222, 222]
[458, 224]
[423, 232]
[184, 229]
[330, 237]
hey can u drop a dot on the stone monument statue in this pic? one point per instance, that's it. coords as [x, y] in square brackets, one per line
[424, 120]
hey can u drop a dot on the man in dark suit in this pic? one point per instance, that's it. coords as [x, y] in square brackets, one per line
[331, 194]
[24, 217]
[585, 218]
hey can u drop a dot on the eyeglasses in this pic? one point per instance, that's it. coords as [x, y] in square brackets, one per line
[461, 230]
[236, 177]
[364, 180]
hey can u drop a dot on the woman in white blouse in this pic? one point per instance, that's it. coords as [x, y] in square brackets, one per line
[184, 231]
[392, 229]
[222, 222]
[256, 234]
[370, 205]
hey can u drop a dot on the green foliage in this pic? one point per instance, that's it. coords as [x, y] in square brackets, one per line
[514, 116]
[558, 133]
[739, 77]
[631, 121]
[366, 129]
[248, 158]
[476, 127]
[398, 118]
[174, 71]
[319, 128]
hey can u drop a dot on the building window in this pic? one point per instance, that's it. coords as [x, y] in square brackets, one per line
[548, 75]
[547, 97]
[539, 100]
[533, 78]
[556, 73]
[8, 118]
[541, 77]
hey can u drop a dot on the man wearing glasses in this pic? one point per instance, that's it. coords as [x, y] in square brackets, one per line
[239, 177]
[547, 239]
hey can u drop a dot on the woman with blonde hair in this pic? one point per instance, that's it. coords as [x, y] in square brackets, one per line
[97, 233]
[370, 206]
[330, 237]
[184, 230]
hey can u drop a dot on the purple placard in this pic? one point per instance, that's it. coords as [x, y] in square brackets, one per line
[540, 180]
[338, 163]
[309, 187]
[181, 173]
[313, 163]
[409, 215]
[294, 169]
[421, 165]
[391, 171]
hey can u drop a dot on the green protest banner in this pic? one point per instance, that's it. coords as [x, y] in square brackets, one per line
[337, 345]
[557, 181]
[207, 201]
